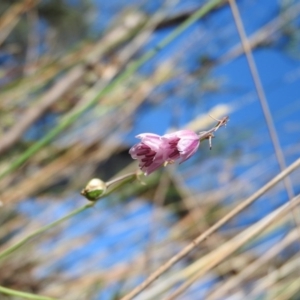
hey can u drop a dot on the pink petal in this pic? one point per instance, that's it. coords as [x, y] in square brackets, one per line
[148, 135]
[153, 167]
[187, 148]
[150, 139]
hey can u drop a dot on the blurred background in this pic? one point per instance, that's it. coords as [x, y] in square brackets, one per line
[68, 114]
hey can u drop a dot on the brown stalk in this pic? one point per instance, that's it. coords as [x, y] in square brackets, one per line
[252, 268]
[214, 258]
[46, 69]
[264, 33]
[292, 265]
[12, 16]
[66, 83]
[287, 290]
[263, 101]
[162, 269]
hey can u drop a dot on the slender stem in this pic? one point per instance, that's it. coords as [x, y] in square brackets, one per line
[25, 295]
[265, 108]
[173, 260]
[23, 241]
[125, 179]
[206, 134]
[133, 67]
[261, 96]
[209, 134]
[121, 178]
[238, 241]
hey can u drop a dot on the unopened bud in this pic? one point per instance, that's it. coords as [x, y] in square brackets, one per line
[94, 189]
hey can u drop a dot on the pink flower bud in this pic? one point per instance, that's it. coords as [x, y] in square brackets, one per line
[154, 151]
[182, 144]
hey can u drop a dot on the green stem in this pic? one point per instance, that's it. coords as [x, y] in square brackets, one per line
[121, 178]
[41, 230]
[127, 178]
[134, 66]
[12, 292]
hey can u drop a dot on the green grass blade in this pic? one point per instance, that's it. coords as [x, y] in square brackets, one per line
[134, 66]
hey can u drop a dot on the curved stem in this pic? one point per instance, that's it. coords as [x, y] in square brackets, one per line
[23, 241]
[25, 295]
[124, 179]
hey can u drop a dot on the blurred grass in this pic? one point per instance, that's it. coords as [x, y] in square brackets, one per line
[97, 93]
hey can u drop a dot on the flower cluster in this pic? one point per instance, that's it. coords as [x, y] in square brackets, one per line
[154, 151]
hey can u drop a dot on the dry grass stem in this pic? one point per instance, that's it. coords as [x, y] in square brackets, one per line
[214, 258]
[211, 230]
